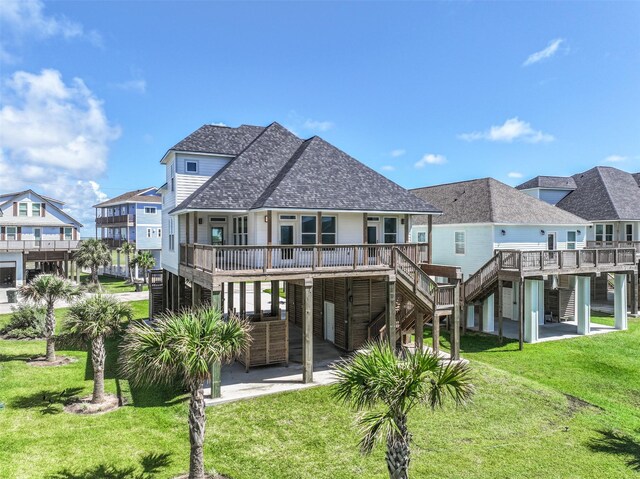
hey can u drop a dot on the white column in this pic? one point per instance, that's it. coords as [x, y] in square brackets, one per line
[620, 301]
[540, 302]
[531, 310]
[515, 292]
[583, 302]
[488, 314]
[471, 316]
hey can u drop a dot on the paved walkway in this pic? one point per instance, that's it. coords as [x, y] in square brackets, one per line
[551, 331]
[123, 297]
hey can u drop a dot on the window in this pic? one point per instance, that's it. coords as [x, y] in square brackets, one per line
[240, 233]
[329, 230]
[309, 230]
[159, 232]
[459, 239]
[68, 233]
[604, 232]
[123, 210]
[171, 235]
[148, 232]
[12, 233]
[23, 208]
[571, 239]
[422, 237]
[150, 210]
[173, 184]
[218, 219]
[628, 232]
[191, 166]
[35, 209]
[391, 230]
[373, 219]
[287, 217]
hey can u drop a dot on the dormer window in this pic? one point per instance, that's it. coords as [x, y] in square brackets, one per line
[191, 166]
[35, 209]
[23, 209]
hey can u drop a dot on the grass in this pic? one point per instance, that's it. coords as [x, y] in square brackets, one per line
[520, 424]
[112, 285]
[281, 292]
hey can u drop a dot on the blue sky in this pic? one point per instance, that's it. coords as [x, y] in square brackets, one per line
[94, 93]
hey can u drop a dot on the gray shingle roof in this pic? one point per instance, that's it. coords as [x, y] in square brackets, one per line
[135, 196]
[604, 193]
[219, 139]
[279, 170]
[489, 201]
[559, 182]
[637, 177]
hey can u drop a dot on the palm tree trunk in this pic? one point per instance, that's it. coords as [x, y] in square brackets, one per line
[49, 331]
[97, 359]
[196, 432]
[94, 274]
[129, 268]
[398, 453]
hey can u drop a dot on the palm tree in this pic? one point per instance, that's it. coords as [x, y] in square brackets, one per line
[93, 253]
[129, 251]
[93, 320]
[146, 261]
[182, 346]
[384, 387]
[47, 289]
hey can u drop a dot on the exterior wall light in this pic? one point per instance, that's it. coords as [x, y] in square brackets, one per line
[542, 232]
[503, 232]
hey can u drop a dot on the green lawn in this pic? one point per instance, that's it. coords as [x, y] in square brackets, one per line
[281, 292]
[521, 423]
[112, 285]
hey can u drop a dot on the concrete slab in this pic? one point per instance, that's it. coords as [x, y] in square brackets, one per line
[552, 331]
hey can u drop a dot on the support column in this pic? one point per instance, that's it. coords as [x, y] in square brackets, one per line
[500, 312]
[391, 310]
[216, 303]
[488, 314]
[583, 304]
[257, 298]
[419, 342]
[515, 295]
[307, 332]
[455, 327]
[531, 310]
[634, 294]
[181, 290]
[620, 300]
[77, 273]
[436, 332]
[243, 299]
[196, 295]
[230, 297]
[275, 299]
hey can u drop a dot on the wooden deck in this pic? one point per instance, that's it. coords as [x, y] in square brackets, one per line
[42, 245]
[615, 244]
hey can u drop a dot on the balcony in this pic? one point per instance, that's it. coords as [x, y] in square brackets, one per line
[112, 220]
[615, 244]
[113, 243]
[560, 260]
[39, 245]
[260, 261]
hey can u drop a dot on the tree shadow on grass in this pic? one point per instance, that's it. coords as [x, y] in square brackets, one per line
[615, 442]
[150, 465]
[6, 358]
[48, 401]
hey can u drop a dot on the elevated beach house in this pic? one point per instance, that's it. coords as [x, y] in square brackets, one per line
[608, 198]
[258, 204]
[134, 217]
[36, 235]
[511, 245]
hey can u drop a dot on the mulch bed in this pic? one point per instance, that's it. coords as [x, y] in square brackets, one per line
[60, 361]
[207, 476]
[85, 406]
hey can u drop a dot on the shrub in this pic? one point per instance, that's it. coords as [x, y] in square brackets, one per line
[27, 322]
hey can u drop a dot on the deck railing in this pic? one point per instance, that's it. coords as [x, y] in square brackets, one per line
[255, 259]
[109, 220]
[615, 244]
[39, 245]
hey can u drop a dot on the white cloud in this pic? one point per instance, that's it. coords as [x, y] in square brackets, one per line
[388, 168]
[514, 174]
[512, 130]
[136, 86]
[397, 153]
[431, 159]
[317, 125]
[548, 52]
[616, 158]
[54, 137]
[26, 19]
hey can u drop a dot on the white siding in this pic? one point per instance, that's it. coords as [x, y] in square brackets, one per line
[553, 197]
[528, 237]
[187, 183]
[618, 230]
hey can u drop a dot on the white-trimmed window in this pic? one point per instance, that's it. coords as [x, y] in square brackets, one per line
[150, 210]
[171, 235]
[628, 232]
[23, 209]
[191, 166]
[148, 232]
[12, 233]
[604, 232]
[308, 229]
[460, 242]
[571, 239]
[391, 230]
[35, 209]
[329, 229]
[159, 232]
[68, 233]
[422, 237]
[240, 233]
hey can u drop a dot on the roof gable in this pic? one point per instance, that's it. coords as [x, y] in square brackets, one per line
[144, 195]
[487, 200]
[11, 197]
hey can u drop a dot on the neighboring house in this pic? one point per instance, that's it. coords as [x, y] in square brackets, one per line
[253, 204]
[134, 217]
[608, 197]
[36, 235]
[498, 234]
